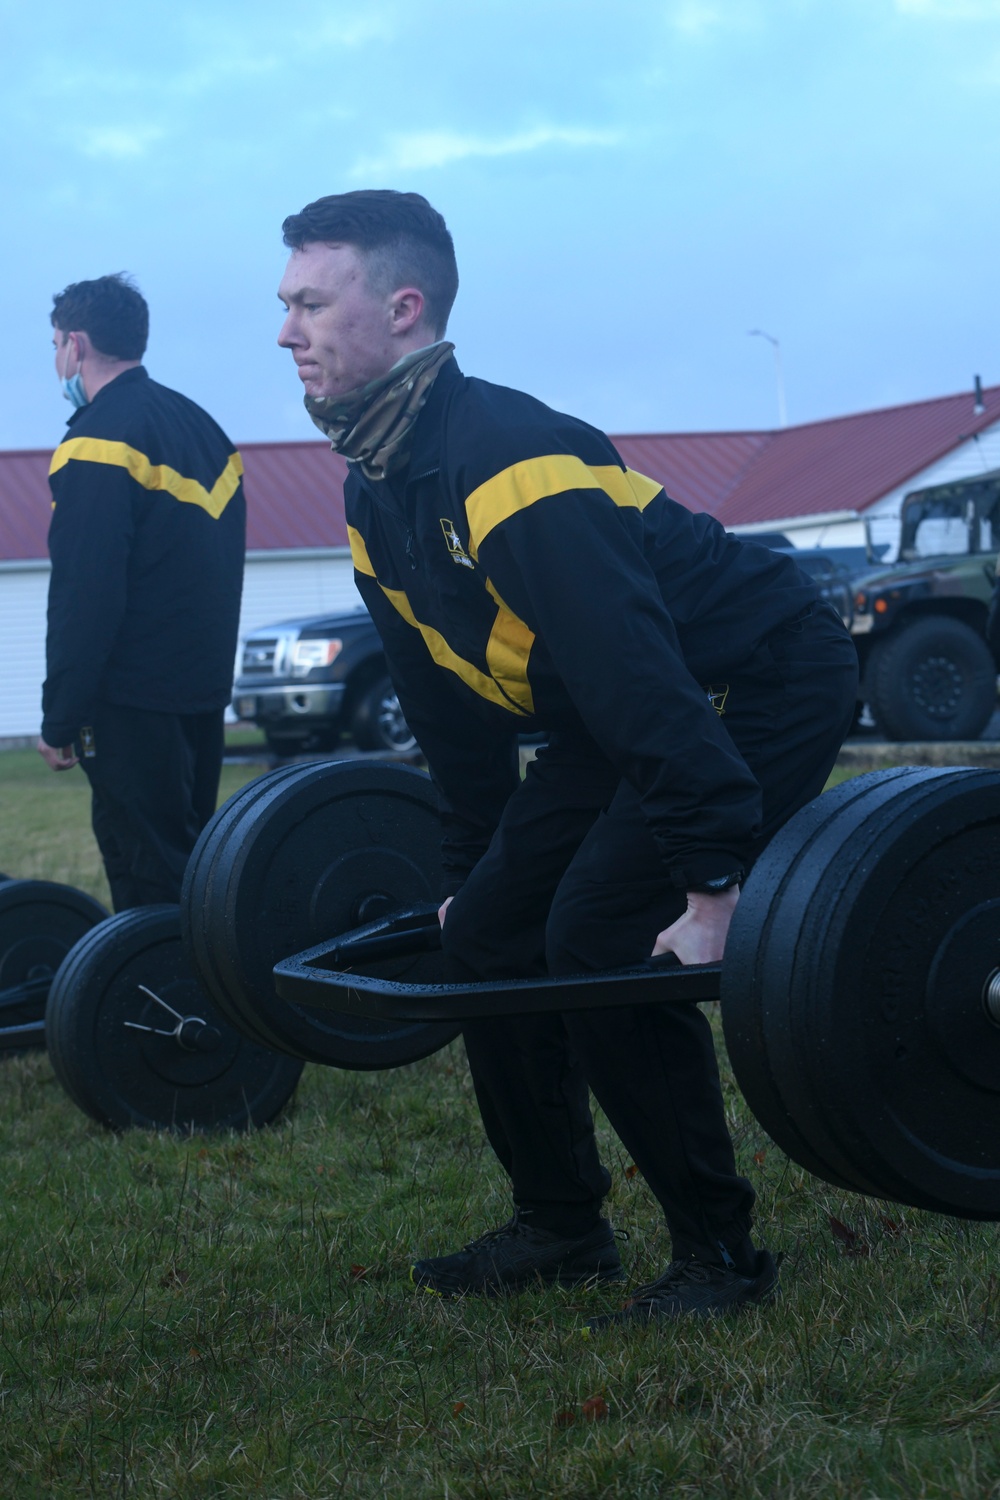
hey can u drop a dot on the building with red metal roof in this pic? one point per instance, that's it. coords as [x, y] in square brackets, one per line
[815, 482]
[295, 499]
[858, 465]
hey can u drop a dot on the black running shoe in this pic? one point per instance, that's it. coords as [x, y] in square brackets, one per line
[692, 1288]
[517, 1256]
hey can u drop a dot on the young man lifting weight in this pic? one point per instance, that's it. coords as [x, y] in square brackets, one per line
[694, 691]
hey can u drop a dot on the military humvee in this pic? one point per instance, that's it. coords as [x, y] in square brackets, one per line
[919, 623]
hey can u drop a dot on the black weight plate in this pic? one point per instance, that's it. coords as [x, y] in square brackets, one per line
[802, 1043]
[40, 921]
[122, 1076]
[920, 1111]
[204, 887]
[310, 852]
[760, 952]
[796, 958]
[879, 1033]
[196, 932]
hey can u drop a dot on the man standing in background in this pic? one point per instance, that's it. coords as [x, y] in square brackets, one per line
[147, 546]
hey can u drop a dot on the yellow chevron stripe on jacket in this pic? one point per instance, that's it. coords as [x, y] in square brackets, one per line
[533, 479]
[359, 552]
[507, 650]
[153, 476]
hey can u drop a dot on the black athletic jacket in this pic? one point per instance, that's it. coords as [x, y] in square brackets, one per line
[522, 578]
[147, 546]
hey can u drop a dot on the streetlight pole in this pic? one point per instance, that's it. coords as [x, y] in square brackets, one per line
[779, 378]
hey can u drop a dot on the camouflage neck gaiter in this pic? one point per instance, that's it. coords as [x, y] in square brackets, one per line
[373, 425]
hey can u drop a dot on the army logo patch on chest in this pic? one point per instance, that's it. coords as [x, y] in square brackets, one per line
[458, 552]
[717, 695]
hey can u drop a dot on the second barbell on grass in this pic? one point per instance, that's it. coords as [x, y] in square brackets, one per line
[135, 1041]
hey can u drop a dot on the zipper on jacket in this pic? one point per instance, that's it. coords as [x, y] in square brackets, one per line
[414, 479]
[391, 510]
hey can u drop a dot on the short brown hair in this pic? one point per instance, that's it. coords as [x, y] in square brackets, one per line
[112, 312]
[402, 238]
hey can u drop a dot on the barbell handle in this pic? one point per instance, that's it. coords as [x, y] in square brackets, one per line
[27, 1035]
[28, 992]
[322, 977]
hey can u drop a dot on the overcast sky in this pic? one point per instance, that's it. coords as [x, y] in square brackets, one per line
[632, 187]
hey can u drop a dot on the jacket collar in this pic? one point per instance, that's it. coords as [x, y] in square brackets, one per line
[428, 433]
[133, 376]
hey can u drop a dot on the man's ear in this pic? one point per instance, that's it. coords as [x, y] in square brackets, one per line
[406, 310]
[77, 341]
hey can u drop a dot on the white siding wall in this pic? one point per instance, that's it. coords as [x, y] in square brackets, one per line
[276, 586]
[284, 585]
[24, 589]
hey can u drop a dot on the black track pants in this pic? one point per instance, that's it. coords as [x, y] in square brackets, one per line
[573, 881]
[154, 779]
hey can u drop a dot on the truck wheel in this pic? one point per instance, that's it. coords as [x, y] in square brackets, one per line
[378, 722]
[935, 680]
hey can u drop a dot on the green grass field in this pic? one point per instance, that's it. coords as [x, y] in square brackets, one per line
[232, 1316]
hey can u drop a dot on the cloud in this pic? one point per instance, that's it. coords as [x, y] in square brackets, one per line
[697, 18]
[259, 49]
[951, 10]
[439, 148]
[359, 31]
[216, 72]
[120, 142]
[694, 17]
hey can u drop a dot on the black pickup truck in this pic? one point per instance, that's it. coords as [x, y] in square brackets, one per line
[309, 682]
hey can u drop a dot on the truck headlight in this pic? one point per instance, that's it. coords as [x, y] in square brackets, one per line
[308, 655]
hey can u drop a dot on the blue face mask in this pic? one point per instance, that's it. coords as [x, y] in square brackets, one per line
[73, 391]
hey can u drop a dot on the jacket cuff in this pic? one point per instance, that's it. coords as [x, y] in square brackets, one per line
[701, 867]
[59, 735]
